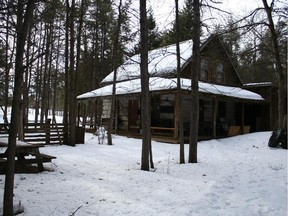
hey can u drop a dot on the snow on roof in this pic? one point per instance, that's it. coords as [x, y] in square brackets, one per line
[160, 61]
[258, 84]
[158, 83]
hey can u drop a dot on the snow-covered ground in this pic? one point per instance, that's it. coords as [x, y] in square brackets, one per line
[234, 176]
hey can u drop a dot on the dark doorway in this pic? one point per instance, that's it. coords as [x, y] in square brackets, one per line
[133, 113]
[155, 111]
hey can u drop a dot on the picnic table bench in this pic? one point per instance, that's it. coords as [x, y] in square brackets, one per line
[25, 154]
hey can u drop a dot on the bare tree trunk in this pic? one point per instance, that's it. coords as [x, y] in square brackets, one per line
[72, 74]
[279, 67]
[194, 84]
[79, 37]
[114, 59]
[38, 80]
[74, 77]
[25, 104]
[7, 69]
[55, 80]
[22, 27]
[20, 130]
[179, 95]
[44, 101]
[145, 96]
[49, 73]
[66, 99]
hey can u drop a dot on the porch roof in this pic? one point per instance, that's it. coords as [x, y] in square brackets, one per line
[160, 84]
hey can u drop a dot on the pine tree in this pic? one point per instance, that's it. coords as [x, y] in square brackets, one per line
[185, 29]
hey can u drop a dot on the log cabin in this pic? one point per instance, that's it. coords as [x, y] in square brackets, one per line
[225, 107]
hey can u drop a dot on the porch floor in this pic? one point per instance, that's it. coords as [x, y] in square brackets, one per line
[164, 137]
[167, 138]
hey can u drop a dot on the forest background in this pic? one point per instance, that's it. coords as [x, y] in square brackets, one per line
[47, 53]
[52, 51]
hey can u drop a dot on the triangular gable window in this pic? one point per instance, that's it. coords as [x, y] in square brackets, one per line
[220, 73]
[204, 69]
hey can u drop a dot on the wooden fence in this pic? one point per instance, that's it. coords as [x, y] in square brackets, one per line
[46, 133]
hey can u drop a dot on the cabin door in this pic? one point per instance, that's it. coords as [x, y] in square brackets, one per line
[155, 111]
[133, 113]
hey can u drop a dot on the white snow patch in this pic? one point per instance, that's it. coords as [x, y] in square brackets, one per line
[160, 61]
[159, 83]
[234, 176]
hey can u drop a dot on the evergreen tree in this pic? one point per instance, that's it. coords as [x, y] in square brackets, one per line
[153, 34]
[153, 38]
[256, 59]
[100, 24]
[185, 26]
[231, 38]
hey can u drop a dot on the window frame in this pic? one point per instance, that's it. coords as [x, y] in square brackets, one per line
[204, 77]
[219, 80]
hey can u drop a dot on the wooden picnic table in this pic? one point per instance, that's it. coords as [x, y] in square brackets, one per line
[25, 154]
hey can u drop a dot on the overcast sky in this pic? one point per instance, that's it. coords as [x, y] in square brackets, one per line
[164, 10]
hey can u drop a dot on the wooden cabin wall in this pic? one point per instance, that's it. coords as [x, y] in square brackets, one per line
[224, 117]
[230, 113]
[215, 53]
[86, 113]
[123, 112]
[254, 116]
[186, 112]
[268, 122]
[105, 114]
[166, 110]
[106, 108]
[207, 111]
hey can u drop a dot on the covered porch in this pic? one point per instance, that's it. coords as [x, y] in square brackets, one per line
[222, 110]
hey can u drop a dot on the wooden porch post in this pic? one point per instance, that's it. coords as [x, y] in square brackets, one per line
[79, 111]
[99, 110]
[96, 113]
[116, 112]
[242, 117]
[90, 107]
[176, 117]
[84, 113]
[215, 114]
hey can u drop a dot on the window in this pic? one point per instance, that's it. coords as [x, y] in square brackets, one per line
[219, 72]
[204, 69]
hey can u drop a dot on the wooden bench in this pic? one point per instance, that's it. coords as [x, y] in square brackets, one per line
[47, 158]
[22, 151]
[162, 129]
[153, 129]
[134, 127]
[236, 130]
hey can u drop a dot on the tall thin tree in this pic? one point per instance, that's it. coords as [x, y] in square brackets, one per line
[179, 95]
[194, 84]
[145, 96]
[278, 63]
[24, 18]
[7, 65]
[114, 56]
[72, 78]
[66, 99]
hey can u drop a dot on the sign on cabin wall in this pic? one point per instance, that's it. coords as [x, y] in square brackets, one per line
[106, 108]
